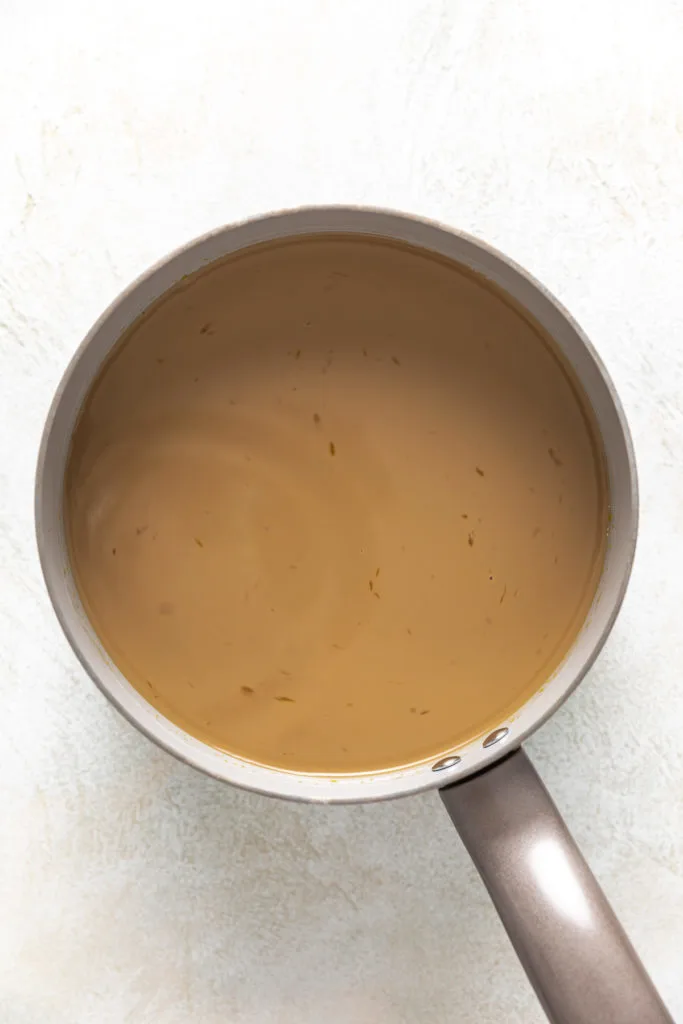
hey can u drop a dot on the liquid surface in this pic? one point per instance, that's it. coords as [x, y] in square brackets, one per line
[334, 506]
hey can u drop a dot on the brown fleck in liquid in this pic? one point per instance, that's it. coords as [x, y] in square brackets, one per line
[346, 613]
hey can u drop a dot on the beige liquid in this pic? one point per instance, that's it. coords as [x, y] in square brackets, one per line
[335, 506]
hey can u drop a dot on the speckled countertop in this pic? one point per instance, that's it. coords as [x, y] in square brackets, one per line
[131, 888]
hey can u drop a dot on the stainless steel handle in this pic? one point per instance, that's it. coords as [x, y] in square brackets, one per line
[576, 954]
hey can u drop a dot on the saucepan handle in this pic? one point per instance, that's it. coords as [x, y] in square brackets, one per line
[576, 954]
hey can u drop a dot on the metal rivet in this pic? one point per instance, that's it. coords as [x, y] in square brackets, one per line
[496, 737]
[446, 762]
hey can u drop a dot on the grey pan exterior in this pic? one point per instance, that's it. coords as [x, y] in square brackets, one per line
[451, 766]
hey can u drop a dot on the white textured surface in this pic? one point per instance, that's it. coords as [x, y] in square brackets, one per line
[131, 888]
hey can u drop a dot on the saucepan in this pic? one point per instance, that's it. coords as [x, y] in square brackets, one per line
[573, 949]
